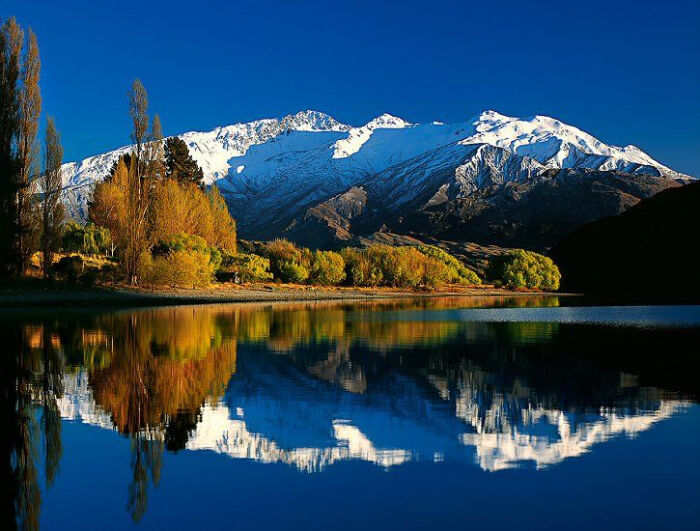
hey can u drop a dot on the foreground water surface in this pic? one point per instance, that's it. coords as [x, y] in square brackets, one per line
[433, 413]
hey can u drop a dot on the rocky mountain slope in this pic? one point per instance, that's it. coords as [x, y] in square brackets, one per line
[321, 182]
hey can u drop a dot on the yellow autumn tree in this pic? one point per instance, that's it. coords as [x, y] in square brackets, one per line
[108, 205]
[185, 208]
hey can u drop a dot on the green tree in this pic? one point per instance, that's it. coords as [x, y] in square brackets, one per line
[179, 164]
[86, 239]
[244, 268]
[524, 269]
[327, 268]
[291, 271]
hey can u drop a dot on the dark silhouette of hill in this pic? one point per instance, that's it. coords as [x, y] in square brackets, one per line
[650, 249]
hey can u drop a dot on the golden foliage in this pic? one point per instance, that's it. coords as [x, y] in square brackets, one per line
[182, 268]
[185, 208]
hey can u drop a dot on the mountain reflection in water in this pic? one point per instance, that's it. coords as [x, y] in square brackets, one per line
[310, 385]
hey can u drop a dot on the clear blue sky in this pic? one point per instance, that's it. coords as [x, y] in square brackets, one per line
[625, 71]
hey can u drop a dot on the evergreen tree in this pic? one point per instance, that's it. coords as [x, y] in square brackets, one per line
[179, 164]
[51, 183]
[11, 37]
[156, 171]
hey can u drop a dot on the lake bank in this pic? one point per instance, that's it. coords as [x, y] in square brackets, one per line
[26, 294]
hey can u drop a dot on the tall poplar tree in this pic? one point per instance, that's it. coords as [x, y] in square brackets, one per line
[28, 153]
[11, 37]
[52, 208]
[137, 196]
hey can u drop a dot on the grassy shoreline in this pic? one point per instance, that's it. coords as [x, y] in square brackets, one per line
[33, 292]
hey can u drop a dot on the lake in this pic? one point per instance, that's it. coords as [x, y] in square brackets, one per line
[449, 413]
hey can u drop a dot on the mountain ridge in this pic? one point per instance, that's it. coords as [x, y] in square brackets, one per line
[272, 170]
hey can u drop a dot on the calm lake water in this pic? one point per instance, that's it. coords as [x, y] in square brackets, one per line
[516, 413]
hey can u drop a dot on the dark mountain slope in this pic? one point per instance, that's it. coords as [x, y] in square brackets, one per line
[650, 249]
[509, 207]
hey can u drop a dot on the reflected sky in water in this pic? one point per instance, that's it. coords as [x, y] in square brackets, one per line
[295, 414]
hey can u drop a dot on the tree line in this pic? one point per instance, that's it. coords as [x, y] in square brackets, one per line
[31, 212]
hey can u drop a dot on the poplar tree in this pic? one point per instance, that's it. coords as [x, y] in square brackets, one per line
[11, 37]
[137, 188]
[28, 153]
[52, 208]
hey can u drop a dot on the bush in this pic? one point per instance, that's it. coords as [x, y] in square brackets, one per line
[459, 273]
[327, 268]
[69, 268]
[291, 271]
[182, 261]
[435, 273]
[90, 276]
[244, 268]
[360, 269]
[288, 263]
[404, 267]
[181, 269]
[524, 269]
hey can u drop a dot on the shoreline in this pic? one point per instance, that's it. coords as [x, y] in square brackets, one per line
[63, 295]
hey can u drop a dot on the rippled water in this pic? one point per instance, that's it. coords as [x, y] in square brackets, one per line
[395, 415]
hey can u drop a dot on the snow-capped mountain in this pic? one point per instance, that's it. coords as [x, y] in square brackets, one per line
[273, 170]
[321, 427]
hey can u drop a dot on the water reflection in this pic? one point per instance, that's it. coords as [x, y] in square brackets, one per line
[311, 385]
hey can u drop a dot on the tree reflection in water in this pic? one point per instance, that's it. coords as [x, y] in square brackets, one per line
[152, 375]
[31, 375]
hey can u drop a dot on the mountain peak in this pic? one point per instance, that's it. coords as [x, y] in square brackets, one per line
[358, 136]
[387, 121]
[310, 120]
[490, 114]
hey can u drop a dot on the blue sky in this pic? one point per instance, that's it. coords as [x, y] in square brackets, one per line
[626, 71]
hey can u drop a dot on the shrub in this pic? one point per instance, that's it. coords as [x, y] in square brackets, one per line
[435, 273]
[183, 260]
[90, 276]
[404, 267]
[288, 263]
[291, 271]
[524, 269]
[244, 268]
[459, 273]
[360, 270]
[69, 268]
[327, 268]
[182, 269]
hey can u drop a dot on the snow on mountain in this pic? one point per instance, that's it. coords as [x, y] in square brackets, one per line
[357, 136]
[214, 149]
[502, 433]
[273, 166]
[558, 145]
